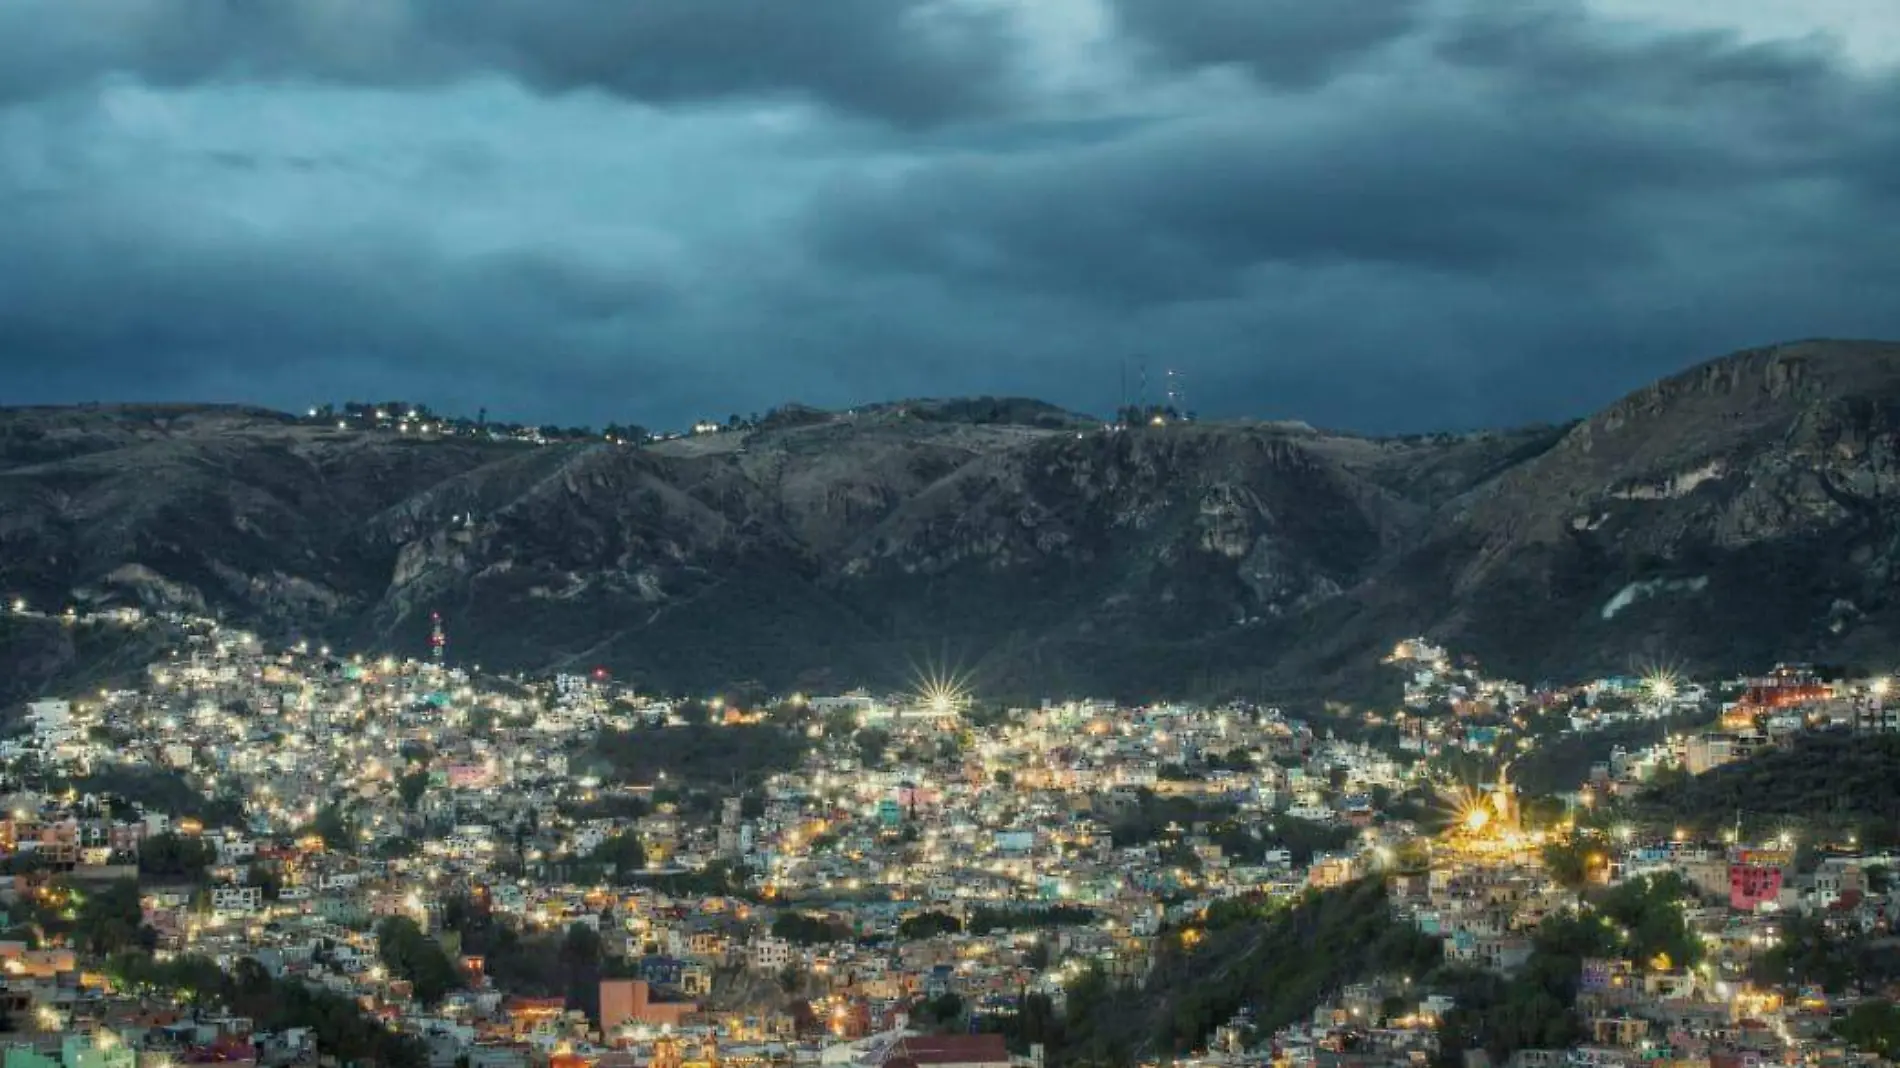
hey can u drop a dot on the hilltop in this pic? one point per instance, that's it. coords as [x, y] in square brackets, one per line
[1739, 512]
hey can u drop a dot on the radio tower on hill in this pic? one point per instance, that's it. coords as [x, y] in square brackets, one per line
[438, 640]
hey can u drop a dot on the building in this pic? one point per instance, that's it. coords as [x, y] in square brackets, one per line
[769, 954]
[236, 900]
[1752, 884]
[1873, 714]
[77, 1051]
[948, 1051]
[1705, 752]
[630, 1001]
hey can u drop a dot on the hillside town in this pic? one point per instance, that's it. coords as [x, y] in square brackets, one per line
[276, 856]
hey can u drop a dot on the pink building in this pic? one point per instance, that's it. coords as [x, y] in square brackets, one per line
[1752, 885]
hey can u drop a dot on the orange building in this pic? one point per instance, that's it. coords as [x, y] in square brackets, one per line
[630, 1001]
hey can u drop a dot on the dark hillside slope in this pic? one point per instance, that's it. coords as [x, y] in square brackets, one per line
[1739, 513]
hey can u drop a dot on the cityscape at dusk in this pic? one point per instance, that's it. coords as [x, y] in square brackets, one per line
[949, 534]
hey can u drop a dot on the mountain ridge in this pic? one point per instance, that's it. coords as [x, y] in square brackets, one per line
[1742, 509]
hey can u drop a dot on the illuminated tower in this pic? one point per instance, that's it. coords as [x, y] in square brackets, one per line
[438, 640]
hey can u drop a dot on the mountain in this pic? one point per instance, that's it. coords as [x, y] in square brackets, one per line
[1740, 512]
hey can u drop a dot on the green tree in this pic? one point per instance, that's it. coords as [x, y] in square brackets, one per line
[873, 743]
[109, 920]
[335, 827]
[928, 925]
[1569, 861]
[804, 929]
[1879, 879]
[623, 852]
[410, 954]
[945, 1009]
[264, 877]
[411, 787]
[175, 856]
[1873, 1027]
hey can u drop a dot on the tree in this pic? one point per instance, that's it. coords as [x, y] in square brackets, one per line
[1036, 956]
[341, 1029]
[946, 1008]
[336, 829]
[623, 852]
[1879, 878]
[790, 978]
[410, 954]
[1569, 861]
[582, 954]
[1873, 1027]
[175, 856]
[872, 744]
[929, 925]
[802, 929]
[265, 879]
[411, 787]
[110, 921]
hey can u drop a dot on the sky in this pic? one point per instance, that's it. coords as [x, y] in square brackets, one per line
[1377, 215]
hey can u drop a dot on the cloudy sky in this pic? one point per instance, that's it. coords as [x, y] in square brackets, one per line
[1385, 215]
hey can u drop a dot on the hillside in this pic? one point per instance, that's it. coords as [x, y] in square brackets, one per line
[1833, 783]
[1740, 512]
[1276, 963]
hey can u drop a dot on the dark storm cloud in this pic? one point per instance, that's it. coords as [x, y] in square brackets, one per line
[909, 61]
[1558, 46]
[100, 307]
[1525, 215]
[1468, 174]
[1403, 217]
[1187, 210]
[1291, 43]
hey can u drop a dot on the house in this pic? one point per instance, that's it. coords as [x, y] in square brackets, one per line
[769, 954]
[236, 900]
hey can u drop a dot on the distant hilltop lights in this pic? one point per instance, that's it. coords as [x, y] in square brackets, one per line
[418, 420]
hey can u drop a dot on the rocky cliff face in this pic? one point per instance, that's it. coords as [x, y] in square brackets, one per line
[1739, 512]
[1742, 511]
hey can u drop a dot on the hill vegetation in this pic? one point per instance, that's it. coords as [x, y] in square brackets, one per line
[1831, 783]
[1277, 961]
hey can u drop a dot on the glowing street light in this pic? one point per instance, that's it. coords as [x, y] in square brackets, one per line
[1661, 686]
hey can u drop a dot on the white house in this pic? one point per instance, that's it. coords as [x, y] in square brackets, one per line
[769, 954]
[236, 900]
